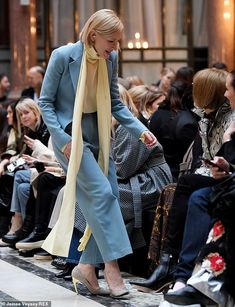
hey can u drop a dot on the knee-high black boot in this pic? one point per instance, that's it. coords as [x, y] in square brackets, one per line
[162, 275]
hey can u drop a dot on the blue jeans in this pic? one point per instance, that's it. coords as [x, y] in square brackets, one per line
[21, 190]
[74, 254]
[197, 227]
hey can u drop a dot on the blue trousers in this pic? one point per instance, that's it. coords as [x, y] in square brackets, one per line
[97, 196]
[197, 227]
[21, 191]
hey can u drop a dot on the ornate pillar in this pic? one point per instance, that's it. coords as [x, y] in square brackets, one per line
[23, 43]
[221, 32]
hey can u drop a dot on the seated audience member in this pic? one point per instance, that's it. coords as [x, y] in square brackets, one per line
[185, 75]
[4, 129]
[208, 91]
[213, 276]
[134, 81]
[35, 77]
[14, 146]
[4, 89]
[167, 76]
[42, 158]
[198, 201]
[146, 99]
[48, 183]
[175, 126]
[33, 127]
[142, 172]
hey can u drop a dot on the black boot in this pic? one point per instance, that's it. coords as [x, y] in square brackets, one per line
[67, 272]
[162, 275]
[34, 240]
[4, 225]
[22, 233]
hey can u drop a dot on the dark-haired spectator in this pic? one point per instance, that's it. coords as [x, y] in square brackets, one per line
[4, 89]
[167, 75]
[175, 126]
[35, 76]
[3, 130]
[185, 75]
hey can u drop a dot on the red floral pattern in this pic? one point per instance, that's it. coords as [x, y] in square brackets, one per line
[216, 232]
[214, 263]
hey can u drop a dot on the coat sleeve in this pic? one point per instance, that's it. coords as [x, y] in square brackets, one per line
[48, 96]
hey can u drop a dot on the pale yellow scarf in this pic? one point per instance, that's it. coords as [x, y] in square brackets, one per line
[58, 241]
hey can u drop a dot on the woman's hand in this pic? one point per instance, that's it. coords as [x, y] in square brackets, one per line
[67, 150]
[29, 159]
[148, 139]
[31, 143]
[222, 170]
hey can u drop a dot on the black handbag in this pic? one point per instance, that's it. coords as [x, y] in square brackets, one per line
[221, 203]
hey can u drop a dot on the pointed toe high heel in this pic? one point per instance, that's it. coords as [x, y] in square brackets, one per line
[77, 277]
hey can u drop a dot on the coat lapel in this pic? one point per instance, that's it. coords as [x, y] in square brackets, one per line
[75, 63]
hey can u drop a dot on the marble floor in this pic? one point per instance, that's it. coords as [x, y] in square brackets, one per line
[29, 282]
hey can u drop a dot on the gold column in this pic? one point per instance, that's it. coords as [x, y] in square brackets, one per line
[22, 42]
[221, 32]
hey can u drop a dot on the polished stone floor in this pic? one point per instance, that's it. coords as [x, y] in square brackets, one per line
[29, 282]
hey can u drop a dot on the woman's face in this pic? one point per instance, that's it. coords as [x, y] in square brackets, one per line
[104, 45]
[167, 79]
[230, 91]
[5, 84]
[9, 116]
[28, 118]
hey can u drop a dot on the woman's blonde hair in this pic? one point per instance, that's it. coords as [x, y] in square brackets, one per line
[209, 88]
[135, 80]
[127, 100]
[104, 22]
[26, 104]
[143, 96]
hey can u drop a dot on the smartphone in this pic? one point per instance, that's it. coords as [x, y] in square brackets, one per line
[209, 162]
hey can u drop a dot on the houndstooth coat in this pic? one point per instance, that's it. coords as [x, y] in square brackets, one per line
[142, 174]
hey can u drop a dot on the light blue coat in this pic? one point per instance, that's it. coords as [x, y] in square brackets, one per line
[97, 195]
[59, 89]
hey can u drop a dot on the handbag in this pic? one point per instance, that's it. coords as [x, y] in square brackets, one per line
[208, 284]
[221, 200]
[160, 224]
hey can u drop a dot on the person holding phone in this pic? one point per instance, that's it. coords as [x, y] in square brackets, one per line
[197, 215]
[213, 94]
[213, 164]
